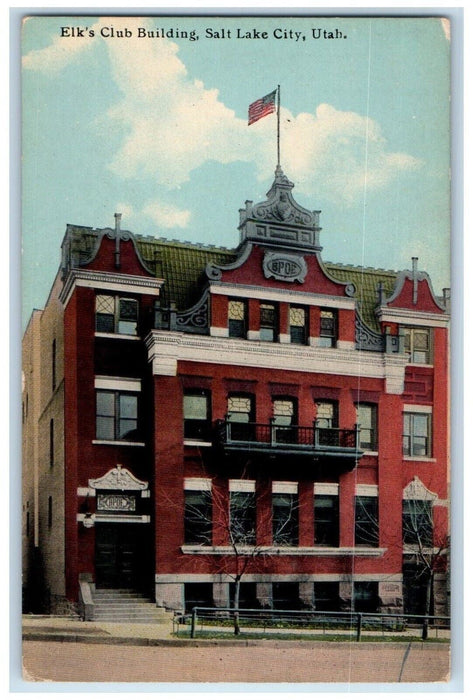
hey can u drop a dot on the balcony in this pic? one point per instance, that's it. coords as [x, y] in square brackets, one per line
[339, 444]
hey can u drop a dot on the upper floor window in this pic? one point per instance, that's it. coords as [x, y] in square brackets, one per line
[416, 438]
[326, 422]
[198, 517]
[237, 318]
[328, 328]
[417, 522]
[197, 414]
[116, 415]
[326, 517]
[298, 325]
[51, 442]
[53, 364]
[284, 416]
[243, 517]
[366, 418]
[115, 314]
[417, 344]
[285, 519]
[240, 413]
[366, 521]
[268, 322]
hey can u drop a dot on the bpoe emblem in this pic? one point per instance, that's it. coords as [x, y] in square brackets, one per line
[282, 266]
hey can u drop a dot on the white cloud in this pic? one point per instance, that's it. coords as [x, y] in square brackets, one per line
[173, 124]
[167, 215]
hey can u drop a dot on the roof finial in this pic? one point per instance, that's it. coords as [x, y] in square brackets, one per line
[414, 280]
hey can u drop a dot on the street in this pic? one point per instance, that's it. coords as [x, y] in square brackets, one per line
[281, 663]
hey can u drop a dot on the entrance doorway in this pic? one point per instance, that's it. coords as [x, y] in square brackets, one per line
[122, 556]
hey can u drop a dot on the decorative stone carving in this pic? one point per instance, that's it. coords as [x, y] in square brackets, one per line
[118, 479]
[280, 219]
[417, 491]
[283, 266]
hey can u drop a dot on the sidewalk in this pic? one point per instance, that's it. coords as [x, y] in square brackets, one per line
[60, 629]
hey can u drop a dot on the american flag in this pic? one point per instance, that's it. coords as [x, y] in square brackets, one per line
[262, 107]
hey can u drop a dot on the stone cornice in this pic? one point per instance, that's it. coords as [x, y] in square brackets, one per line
[290, 295]
[166, 349]
[412, 317]
[109, 281]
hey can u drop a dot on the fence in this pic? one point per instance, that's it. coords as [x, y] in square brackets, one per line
[302, 622]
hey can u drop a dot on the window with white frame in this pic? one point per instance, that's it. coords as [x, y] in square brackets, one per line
[417, 437]
[115, 314]
[243, 517]
[116, 415]
[268, 322]
[298, 325]
[198, 516]
[366, 419]
[417, 344]
[197, 414]
[366, 521]
[286, 516]
[328, 328]
[237, 318]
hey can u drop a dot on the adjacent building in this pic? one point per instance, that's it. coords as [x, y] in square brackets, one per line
[202, 422]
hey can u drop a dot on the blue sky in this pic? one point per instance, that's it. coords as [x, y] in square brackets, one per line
[157, 129]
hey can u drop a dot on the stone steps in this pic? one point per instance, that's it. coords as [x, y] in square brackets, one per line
[125, 605]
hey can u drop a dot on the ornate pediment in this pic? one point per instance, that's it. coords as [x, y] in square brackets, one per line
[118, 479]
[280, 220]
[417, 491]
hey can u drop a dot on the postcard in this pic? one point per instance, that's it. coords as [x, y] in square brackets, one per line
[236, 351]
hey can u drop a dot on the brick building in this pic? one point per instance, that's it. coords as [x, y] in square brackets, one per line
[196, 415]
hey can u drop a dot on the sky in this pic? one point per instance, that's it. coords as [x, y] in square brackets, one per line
[117, 119]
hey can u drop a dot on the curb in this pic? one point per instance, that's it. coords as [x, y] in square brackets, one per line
[153, 642]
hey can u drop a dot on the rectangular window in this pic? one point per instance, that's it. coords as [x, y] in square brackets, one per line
[328, 328]
[326, 423]
[50, 511]
[417, 523]
[240, 414]
[285, 519]
[243, 517]
[284, 416]
[268, 322]
[326, 596]
[237, 318]
[298, 325]
[416, 438]
[117, 416]
[198, 517]
[327, 520]
[197, 415]
[366, 418]
[51, 443]
[417, 344]
[366, 521]
[116, 314]
[53, 364]
[365, 596]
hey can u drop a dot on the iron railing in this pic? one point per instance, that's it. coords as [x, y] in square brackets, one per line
[303, 622]
[275, 435]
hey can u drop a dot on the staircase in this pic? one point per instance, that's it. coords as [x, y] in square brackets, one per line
[127, 606]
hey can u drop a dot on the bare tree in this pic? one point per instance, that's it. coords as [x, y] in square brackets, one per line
[420, 539]
[239, 519]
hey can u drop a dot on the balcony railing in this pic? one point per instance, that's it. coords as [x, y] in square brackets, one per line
[274, 438]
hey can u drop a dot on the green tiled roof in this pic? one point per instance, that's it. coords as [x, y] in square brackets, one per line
[182, 265]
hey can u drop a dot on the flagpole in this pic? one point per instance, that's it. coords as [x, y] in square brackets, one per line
[278, 127]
